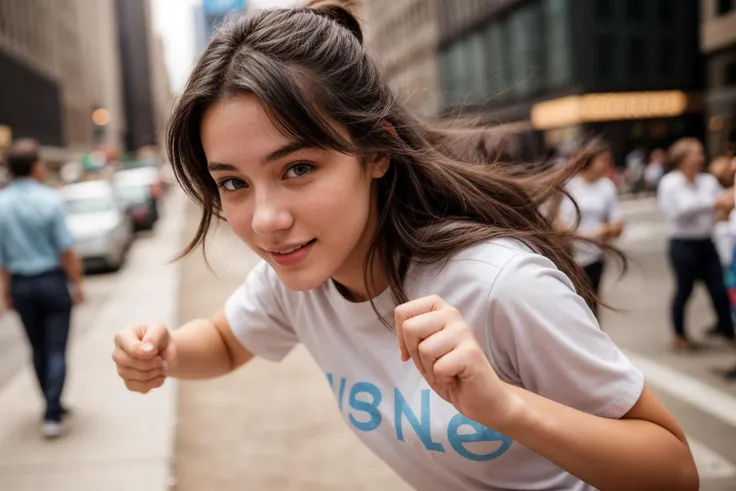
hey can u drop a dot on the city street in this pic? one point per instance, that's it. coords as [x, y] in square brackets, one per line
[276, 426]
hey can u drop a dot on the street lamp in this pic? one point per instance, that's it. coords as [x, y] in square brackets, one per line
[101, 117]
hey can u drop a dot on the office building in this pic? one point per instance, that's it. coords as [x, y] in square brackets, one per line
[548, 72]
[404, 38]
[59, 64]
[718, 44]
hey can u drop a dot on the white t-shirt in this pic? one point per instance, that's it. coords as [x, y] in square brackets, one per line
[598, 204]
[689, 207]
[535, 330]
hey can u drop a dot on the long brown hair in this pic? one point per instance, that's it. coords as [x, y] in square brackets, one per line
[307, 65]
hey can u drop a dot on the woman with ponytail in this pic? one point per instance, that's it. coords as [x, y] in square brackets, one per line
[450, 318]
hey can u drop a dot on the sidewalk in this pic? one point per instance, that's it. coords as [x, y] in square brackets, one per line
[117, 440]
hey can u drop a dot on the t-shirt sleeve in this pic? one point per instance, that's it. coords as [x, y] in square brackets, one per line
[61, 236]
[544, 332]
[258, 317]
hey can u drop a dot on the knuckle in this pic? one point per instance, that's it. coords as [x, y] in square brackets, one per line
[453, 312]
[424, 350]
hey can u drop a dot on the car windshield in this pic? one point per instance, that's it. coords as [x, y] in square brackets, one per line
[134, 195]
[91, 204]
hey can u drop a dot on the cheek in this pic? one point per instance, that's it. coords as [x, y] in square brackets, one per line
[239, 218]
[333, 208]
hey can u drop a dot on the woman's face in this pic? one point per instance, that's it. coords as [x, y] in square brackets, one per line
[308, 212]
[601, 164]
[694, 160]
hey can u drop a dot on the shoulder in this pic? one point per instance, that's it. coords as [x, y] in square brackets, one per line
[262, 276]
[708, 179]
[608, 185]
[573, 184]
[670, 180]
[501, 266]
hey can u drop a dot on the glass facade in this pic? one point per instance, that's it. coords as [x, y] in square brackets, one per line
[518, 55]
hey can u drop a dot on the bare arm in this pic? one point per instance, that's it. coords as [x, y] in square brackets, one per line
[72, 266]
[6, 285]
[206, 348]
[646, 449]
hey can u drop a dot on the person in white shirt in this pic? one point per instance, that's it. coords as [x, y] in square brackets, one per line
[691, 199]
[440, 303]
[597, 214]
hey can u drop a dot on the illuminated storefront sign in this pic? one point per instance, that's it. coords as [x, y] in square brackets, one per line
[589, 108]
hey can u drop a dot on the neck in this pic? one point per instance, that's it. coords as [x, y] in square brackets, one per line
[689, 175]
[351, 276]
[588, 177]
[350, 281]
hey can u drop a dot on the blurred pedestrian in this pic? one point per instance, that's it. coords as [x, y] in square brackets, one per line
[720, 168]
[41, 274]
[437, 298]
[599, 218]
[655, 169]
[691, 201]
[635, 170]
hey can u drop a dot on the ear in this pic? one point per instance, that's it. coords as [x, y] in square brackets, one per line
[380, 162]
[378, 165]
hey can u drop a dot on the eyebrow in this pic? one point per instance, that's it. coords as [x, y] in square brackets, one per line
[277, 154]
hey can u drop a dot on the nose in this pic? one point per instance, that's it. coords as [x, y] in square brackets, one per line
[270, 217]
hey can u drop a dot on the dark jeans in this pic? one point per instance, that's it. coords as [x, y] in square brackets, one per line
[694, 260]
[594, 272]
[45, 306]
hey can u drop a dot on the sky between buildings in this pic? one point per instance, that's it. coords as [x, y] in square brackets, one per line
[173, 20]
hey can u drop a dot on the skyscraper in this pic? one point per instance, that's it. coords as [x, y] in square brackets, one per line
[216, 11]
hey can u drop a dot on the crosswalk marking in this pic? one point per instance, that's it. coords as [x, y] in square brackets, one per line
[703, 397]
[707, 399]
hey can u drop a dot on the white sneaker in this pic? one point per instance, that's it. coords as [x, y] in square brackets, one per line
[52, 429]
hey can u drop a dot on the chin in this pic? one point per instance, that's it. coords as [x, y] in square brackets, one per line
[301, 279]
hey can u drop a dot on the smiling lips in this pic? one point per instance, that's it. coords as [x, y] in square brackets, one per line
[290, 255]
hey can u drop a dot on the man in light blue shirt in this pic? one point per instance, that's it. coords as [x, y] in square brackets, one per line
[39, 271]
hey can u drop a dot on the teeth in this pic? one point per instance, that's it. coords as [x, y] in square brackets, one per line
[289, 251]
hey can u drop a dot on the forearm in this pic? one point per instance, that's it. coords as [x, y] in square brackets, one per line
[685, 208]
[201, 352]
[5, 282]
[72, 266]
[610, 454]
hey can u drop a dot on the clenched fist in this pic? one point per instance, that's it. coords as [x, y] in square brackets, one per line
[433, 334]
[142, 354]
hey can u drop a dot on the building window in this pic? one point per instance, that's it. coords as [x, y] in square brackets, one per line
[637, 56]
[725, 6]
[603, 9]
[497, 64]
[557, 43]
[634, 10]
[604, 55]
[666, 57]
[730, 74]
[665, 11]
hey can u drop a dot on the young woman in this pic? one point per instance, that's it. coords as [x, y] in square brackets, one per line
[592, 209]
[438, 300]
[691, 201]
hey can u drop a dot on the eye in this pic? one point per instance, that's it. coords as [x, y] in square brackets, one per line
[232, 184]
[298, 169]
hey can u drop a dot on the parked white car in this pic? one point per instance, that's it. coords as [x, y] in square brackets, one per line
[97, 218]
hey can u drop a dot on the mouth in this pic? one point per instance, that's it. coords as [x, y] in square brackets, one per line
[290, 250]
